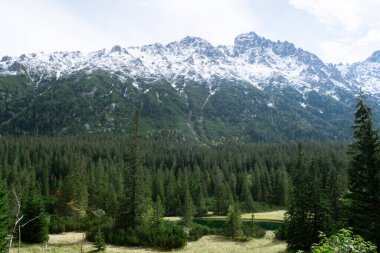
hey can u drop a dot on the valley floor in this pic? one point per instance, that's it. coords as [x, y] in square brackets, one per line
[71, 242]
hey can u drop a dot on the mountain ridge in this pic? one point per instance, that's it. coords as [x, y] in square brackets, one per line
[265, 75]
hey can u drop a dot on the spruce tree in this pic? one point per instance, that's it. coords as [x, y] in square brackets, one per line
[234, 223]
[364, 175]
[34, 225]
[188, 209]
[4, 218]
[99, 241]
[307, 213]
[136, 202]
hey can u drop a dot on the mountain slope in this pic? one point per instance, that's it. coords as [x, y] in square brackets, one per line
[256, 89]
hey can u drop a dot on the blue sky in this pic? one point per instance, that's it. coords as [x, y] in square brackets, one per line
[335, 30]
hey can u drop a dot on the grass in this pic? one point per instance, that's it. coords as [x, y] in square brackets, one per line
[261, 216]
[70, 242]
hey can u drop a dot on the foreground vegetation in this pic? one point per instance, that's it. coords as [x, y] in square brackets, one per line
[118, 190]
[72, 242]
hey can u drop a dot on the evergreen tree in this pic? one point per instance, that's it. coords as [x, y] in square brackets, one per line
[159, 211]
[281, 186]
[188, 208]
[364, 175]
[334, 193]
[74, 198]
[136, 199]
[34, 225]
[246, 196]
[234, 223]
[99, 241]
[307, 214]
[4, 219]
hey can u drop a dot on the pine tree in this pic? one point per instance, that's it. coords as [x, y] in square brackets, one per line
[74, 198]
[364, 175]
[281, 186]
[99, 241]
[234, 223]
[136, 199]
[246, 196]
[307, 214]
[4, 219]
[159, 211]
[188, 208]
[34, 225]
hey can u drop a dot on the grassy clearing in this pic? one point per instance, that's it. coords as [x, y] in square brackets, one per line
[274, 215]
[70, 242]
[265, 216]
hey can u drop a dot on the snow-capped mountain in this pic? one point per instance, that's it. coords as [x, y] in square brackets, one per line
[252, 59]
[254, 76]
[365, 75]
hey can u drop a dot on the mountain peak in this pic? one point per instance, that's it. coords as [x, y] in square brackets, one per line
[251, 39]
[375, 57]
[118, 49]
[194, 41]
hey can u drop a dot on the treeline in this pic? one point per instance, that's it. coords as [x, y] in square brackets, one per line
[89, 172]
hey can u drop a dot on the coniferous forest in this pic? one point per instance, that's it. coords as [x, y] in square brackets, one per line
[118, 188]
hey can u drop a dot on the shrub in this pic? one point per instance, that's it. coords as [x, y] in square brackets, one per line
[253, 230]
[280, 233]
[343, 241]
[197, 231]
[165, 236]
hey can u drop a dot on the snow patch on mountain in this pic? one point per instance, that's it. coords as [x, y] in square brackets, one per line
[252, 59]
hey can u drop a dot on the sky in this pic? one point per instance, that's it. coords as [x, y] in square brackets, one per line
[335, 30]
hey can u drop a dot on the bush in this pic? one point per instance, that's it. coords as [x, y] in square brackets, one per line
[164, 236]
[253, 230]
[197, 231]
[60, 224]
[280, 234]
[343, 241]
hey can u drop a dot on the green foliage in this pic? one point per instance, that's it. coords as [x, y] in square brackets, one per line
[4, 217]
[163, 236]
[234, 225]
[254, 230]
[308, 212]
[197, 231]
[364, 175]
[134, 211]
[343, 241]
[98, 102]
[35, 224]
[188, 209]
[74, 199]
[99, 241]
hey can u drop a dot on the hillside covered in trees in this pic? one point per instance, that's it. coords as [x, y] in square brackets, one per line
[118, 188]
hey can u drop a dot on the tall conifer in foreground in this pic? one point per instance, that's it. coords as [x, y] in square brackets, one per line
[364, 215]
[307, 214]
[134, 207]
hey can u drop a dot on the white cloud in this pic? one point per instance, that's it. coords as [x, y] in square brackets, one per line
[349, 14]
[30, 26]
[351, 50]
[218, 21]
[354, 27]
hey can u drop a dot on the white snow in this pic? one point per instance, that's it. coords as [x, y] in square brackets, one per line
[194, 59]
